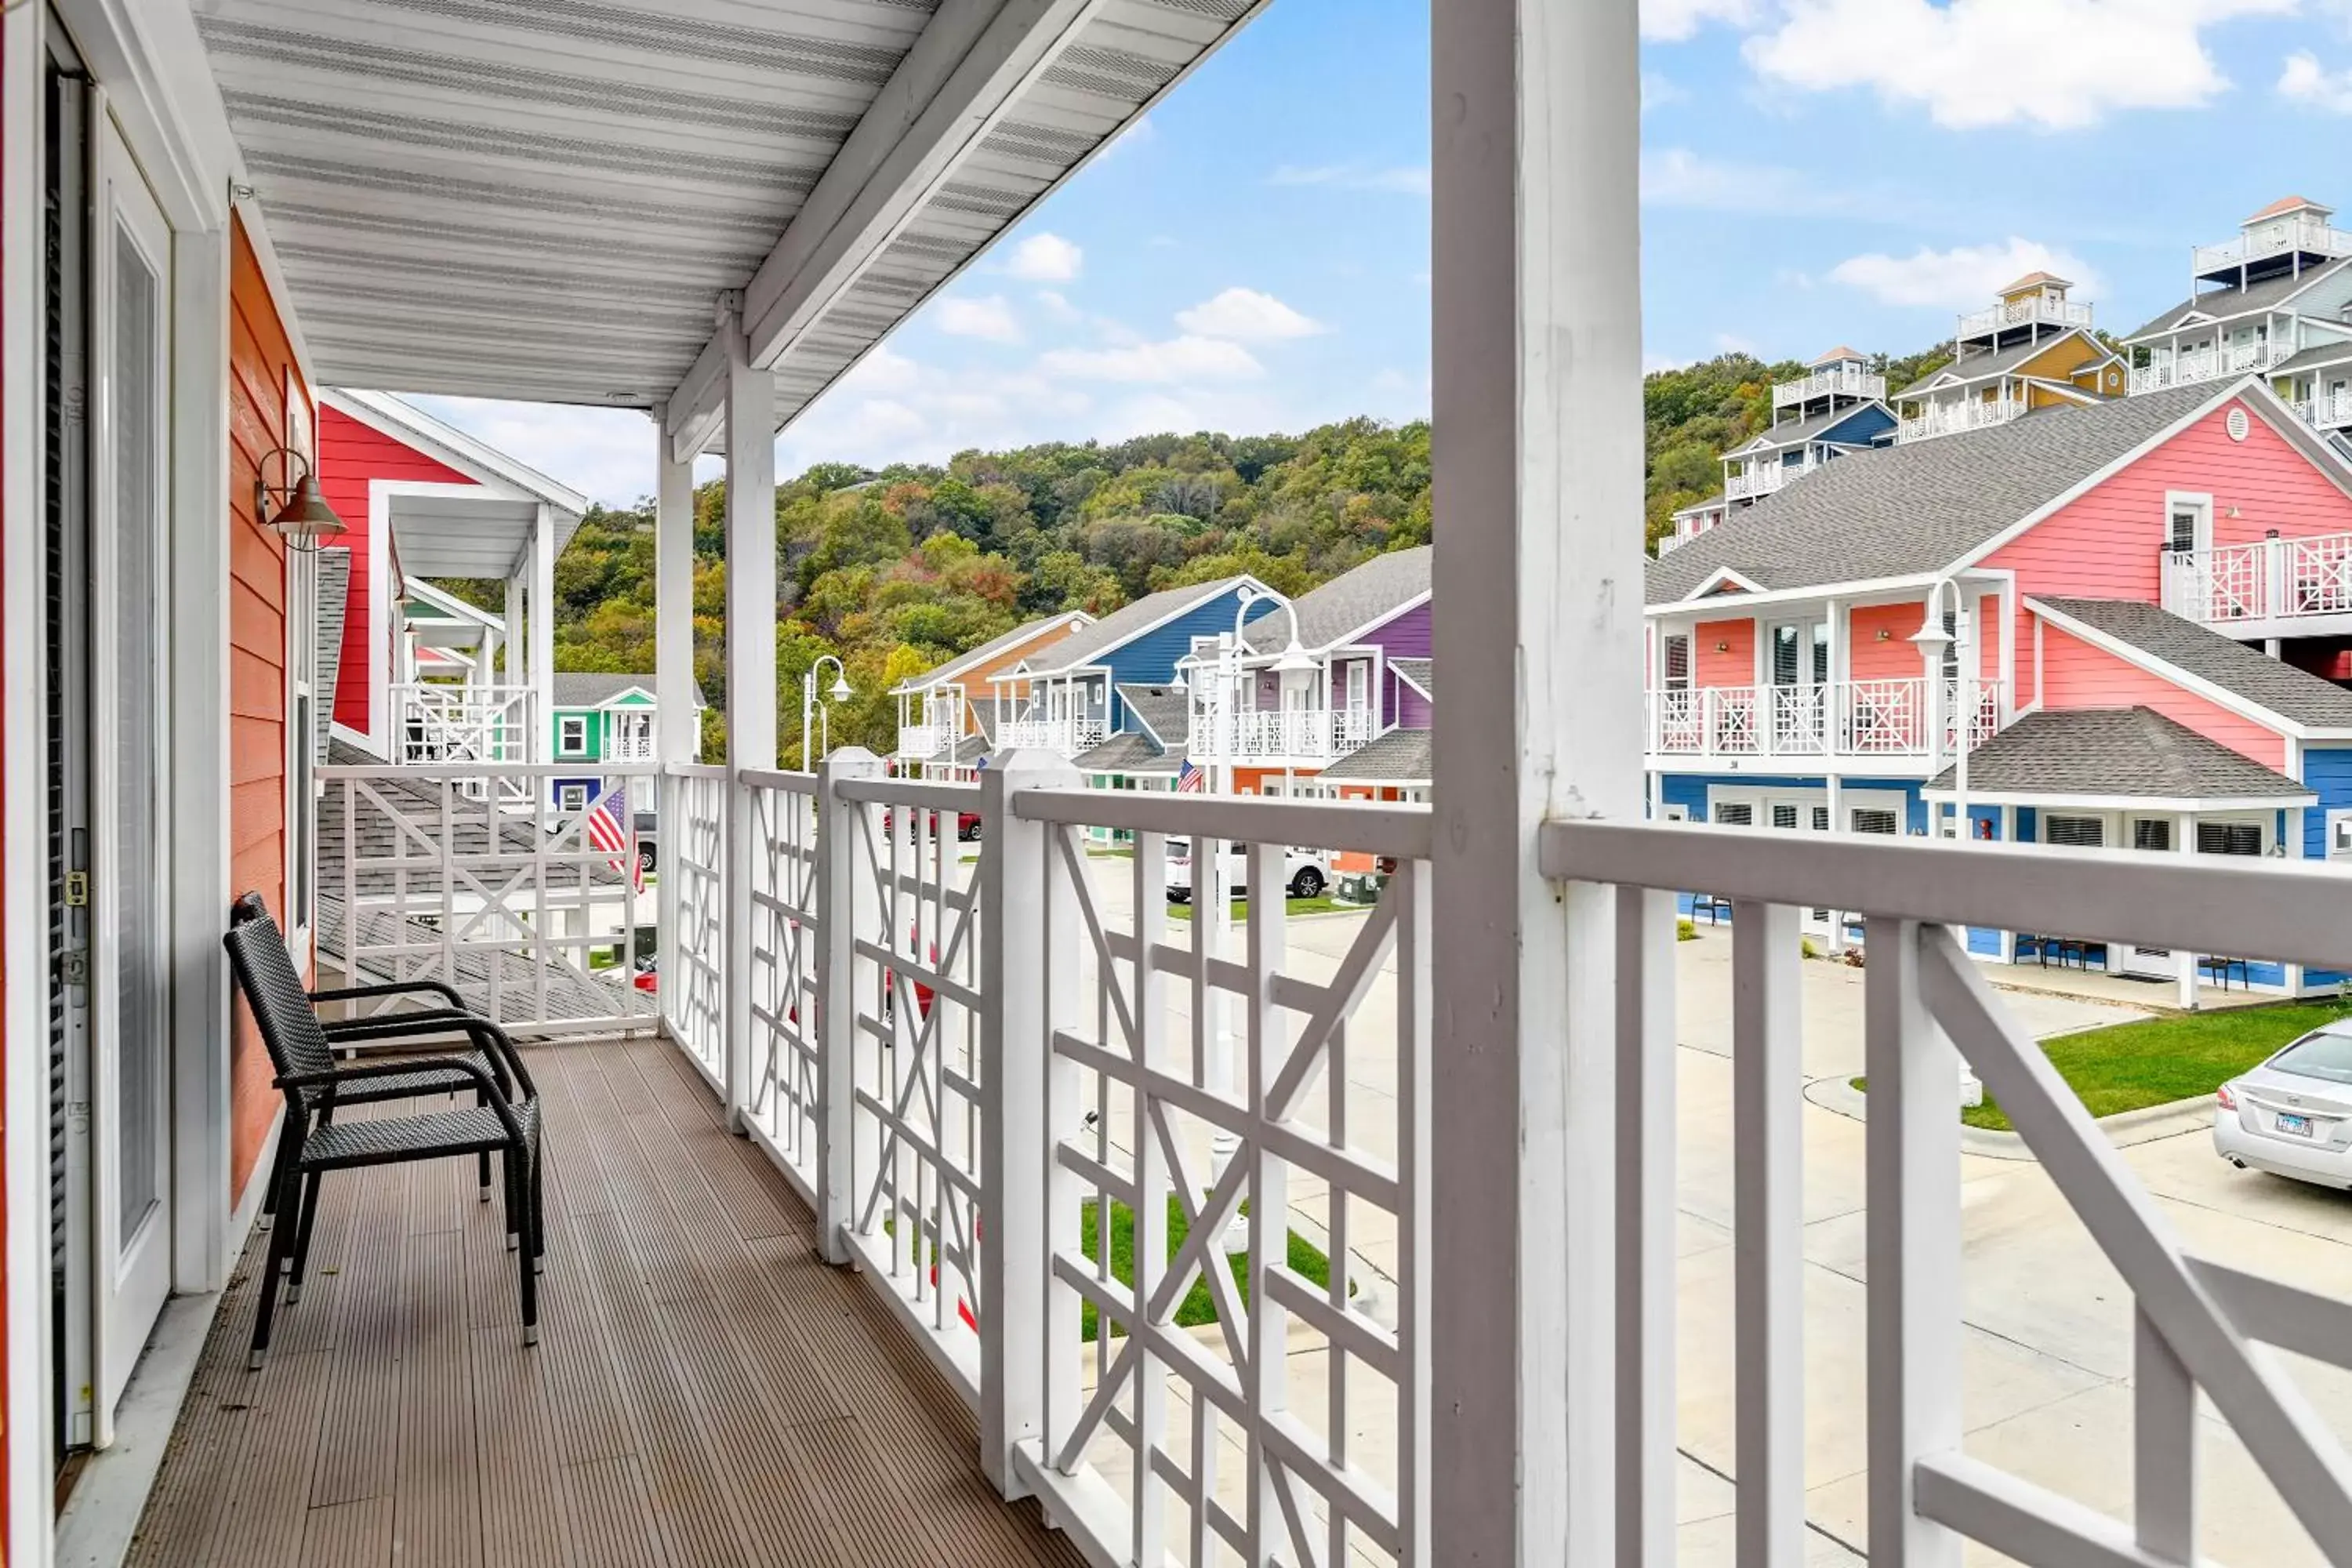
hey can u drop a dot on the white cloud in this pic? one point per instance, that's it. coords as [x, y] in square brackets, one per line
[1047, 259]
[2306, 81]
[1185, 359]
[2056, 64]
[1057, 305]
[1961, 279]
[1407, 179]
[1659, 91]
[1678, 177]
[987, 317]
[606, 454]
[1672, 21]
[1246, 316]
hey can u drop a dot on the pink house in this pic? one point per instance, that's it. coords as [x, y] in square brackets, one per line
[2111, 624]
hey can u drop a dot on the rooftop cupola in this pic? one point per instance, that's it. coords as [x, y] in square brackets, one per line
[1839, 379]
[2287, 236]
[2033, 307]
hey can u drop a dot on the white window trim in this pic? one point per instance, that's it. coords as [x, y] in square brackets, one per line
[2198, 501]
[565, 746]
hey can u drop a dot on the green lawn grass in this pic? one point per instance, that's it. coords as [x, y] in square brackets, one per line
[2154, 1061]
[1322, 905]
[1199, 1306]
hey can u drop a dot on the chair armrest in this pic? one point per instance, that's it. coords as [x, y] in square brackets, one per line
[362, 1028]
[392, 988]
[492, 1040]
[492, 1093]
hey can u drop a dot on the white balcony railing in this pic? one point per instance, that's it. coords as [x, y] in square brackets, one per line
[1837, 381]
[1067, 737]
[2264, 579]
[1958, 415]
[1885, 718]
[2211, 362]
[2326, 410]
[480, 876]
[1301, 735]
[453, 723]
[1765, 477]
[2310, 235]
[963, 1065]
[921, 742]
[2036, 310]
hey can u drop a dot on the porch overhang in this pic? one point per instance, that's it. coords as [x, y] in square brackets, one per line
[2041, 800]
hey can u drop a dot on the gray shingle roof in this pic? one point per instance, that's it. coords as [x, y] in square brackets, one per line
[1129, 752]
[1794, 432]
[333, 600]
[2267, 294]
[970, 752]
[594, 688]
[1349, 601]
[1921, 506]
[570, 994]
[2316, 357]
[986, 651]
[2125, 752]
[2291, 693]
[1399, 757]
[1165, 711]
[1081, 645]
[1421, 672]
[1977, 363]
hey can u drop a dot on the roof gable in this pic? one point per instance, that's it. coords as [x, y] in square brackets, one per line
[2203, 660]
[1086, 646]
[1357, 601]
[1005, 642]
[2130, 754]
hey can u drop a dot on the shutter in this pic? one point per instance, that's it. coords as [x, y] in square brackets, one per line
[1874, 819]
[1678, 662]
[1784, 817]
[1735, 814]
[1821, 819]
[2082, 832]
[1784, 656]
[2229, 838]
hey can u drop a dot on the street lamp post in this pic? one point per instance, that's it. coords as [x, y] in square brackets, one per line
[1933, 640]
[839, 691]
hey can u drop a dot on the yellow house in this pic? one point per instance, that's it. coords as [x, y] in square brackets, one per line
[2031, 348]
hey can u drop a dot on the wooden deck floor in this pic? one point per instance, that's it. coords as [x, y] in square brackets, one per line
[705, 1391]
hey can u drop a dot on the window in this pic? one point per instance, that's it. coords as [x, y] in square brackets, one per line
[571, 735]
[1784, 817]
[571, 797]
[1359, 686]
[1678, 660]
[2152, 832]
[2189, 523]
[1735, 814]
[302, 667]
[1875, 820]
[2229, 839]
[2083, 832]
[2339, 835]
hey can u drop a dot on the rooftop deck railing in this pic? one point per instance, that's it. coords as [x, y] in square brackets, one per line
[1956, 416]
[2035, 310]
[2210, 363]
[1847, 380]
[2277, 237]
[980, 1062]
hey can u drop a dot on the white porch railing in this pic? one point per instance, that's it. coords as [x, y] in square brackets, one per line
[2276, 239]
[475, 876]
[2208, 364]
[1765, 479]
[1886, 718]
[2326, 410]
[2264, 579]
[693, 865]
[1066, 737]
[451, 723]
[2024, 313]
[2197, 1323]
[1311, 734]
[921, 742]
[1958, 415]
[1847, 380]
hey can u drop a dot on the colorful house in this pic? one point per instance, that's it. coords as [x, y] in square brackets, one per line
[948, 715]
[1836, 407]
[598, 718]
[2270, 302]
[2031, 348]
[2034, 597]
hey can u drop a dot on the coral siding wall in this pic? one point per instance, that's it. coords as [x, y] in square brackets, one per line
[260, 362]
[1897, 657]
[2077, 675]
[2103, 544]
[349, 456]
[1736, 666]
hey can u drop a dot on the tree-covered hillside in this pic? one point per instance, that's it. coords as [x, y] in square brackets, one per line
[902, 570]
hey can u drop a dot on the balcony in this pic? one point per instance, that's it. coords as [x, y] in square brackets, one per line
[2280, 238]
[1845, 380]
[840, 1337]
[1765, 477]
[1857, 722]
[1301, 735]
[2269, 587]
[2330, 410]
[2036, 310]
[1957, 414]
[2208, 364]
[1064, 737]
[454, 723]
[921, 742]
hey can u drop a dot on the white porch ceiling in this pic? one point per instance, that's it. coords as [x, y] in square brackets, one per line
[473, 535]
[545, 199]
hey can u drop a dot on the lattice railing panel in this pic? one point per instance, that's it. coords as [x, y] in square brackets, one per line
[782, 1099]
[694, 853]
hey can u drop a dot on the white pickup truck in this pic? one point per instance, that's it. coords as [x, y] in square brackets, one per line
[1309, 870]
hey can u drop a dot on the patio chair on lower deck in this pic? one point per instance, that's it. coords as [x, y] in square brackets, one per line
[505, 1121]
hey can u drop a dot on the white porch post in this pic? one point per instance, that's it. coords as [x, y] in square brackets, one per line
[674, 716]
[750, 667]
[1536, 318]
[542, 631]
[2184, 832]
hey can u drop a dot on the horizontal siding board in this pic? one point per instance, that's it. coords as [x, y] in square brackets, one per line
[2077, 675]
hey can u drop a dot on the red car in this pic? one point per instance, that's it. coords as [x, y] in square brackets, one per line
[967, 824]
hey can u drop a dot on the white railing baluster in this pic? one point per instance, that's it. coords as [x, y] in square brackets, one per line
[844, 909]
[1645, 1227]
[1768, 1234]
[2164, 1447]
[1415, 1040]
[735, 1058]
[1263, 1043]
[1912, 1172]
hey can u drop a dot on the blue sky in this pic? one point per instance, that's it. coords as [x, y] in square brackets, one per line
[1254, 256]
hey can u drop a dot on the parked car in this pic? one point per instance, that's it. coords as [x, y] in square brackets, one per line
[1309, 870]
[646, 839]
[967, 824]
[2291, 1116]
[643, 979]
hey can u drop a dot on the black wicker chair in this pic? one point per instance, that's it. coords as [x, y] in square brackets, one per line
[504, 1121]
[347, 1033]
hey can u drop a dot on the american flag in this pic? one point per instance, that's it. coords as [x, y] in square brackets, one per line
[606, 829]
[1190, 779]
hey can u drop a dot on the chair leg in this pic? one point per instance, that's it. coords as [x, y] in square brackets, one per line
[527, 1257]
[482, 1160]
[539, 1208]
[511, 1169]
[288, 1139]
[282, 1241]
[309, 1217]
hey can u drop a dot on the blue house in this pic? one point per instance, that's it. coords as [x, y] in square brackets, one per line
[1838, 407]
[1066, 697]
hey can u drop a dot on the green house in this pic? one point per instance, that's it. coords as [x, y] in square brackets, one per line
[598, 718]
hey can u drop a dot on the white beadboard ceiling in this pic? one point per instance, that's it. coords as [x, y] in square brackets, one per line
[545, 199]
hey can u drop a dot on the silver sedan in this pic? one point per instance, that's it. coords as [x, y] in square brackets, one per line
[2291, 1116]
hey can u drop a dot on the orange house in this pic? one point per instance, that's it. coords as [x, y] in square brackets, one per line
[947, 716]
